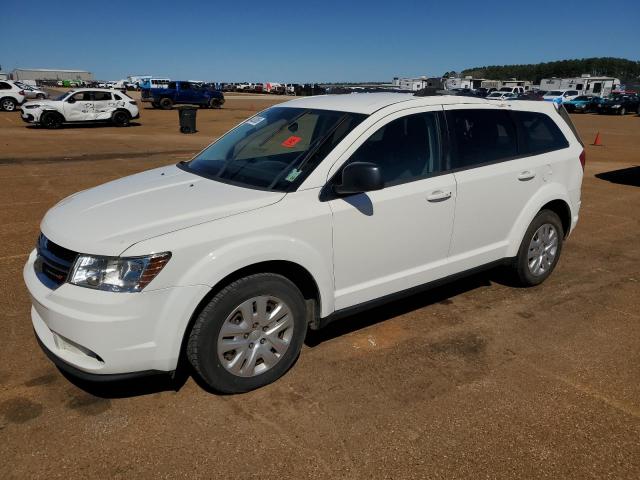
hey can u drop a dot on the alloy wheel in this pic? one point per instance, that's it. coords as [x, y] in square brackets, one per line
[255, 336]
[543, 249]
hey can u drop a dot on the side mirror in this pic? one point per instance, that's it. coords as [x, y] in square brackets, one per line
[71, 100]
[359, 177]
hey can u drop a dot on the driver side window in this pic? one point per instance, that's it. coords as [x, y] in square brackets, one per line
[82, 97]
[405, 149]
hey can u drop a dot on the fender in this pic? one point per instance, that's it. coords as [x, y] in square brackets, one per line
[548, 193]
[229, 258]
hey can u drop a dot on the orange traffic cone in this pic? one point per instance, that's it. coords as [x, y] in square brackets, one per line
[597, 141]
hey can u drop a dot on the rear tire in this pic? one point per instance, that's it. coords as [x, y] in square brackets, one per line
[249, 334]
[51, 120]
[40, 96]
[540, 249]
[121, 119]
[166, 103]
[216, 103]
[8, 104]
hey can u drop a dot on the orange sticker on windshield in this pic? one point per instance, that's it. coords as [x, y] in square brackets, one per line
[291, 141]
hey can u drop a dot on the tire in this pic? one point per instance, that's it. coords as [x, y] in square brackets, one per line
[40, 96]
[525, 270]
[166, 103]
[121, 118]
[51, 120]
[623, 111]
[216, 103]
[8, 104]
[246, 367]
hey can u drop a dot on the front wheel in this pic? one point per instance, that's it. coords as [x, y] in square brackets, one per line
[51, 120]
[166, 103]
[540, 249]
[249, 334]
[216, 103]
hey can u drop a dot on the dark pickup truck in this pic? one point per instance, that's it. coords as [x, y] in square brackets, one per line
[178, 93]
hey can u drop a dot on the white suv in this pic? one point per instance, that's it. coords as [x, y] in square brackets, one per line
[11, 95]
[299, 216]
[82, 105]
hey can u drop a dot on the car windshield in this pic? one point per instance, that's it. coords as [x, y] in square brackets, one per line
[554, 93]
[274, 150]
[64, 95]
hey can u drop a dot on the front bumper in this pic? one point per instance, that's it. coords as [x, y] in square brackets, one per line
[106, 333]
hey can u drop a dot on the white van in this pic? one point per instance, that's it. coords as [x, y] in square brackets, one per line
[301, 215]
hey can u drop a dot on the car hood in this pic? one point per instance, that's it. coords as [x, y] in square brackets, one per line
[108, 219]
[42, 103]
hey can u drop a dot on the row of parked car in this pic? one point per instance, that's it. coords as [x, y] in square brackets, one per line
[14, 93]
[620, 103]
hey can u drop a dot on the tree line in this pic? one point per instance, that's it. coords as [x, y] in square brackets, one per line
[625, 70]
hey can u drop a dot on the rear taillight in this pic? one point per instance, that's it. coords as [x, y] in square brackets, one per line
[583, 159]
[21, 92]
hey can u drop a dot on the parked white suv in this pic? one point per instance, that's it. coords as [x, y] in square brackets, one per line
[82, 105]
[300, 215]
[11, 95]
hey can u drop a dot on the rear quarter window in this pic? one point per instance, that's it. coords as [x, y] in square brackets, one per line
[540, 133]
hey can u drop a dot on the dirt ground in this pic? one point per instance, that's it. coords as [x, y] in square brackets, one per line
[476, 379]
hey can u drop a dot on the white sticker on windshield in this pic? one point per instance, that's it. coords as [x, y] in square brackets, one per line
[254, 121]
[293, 174]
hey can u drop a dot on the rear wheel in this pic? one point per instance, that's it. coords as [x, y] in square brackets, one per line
[51, 120]
[40, 96]
[121, 119]
[249, 334]
[166, 103]
[540, 249]
[8, 104]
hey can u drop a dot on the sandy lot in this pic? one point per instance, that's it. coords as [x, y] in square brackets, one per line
[472, 380]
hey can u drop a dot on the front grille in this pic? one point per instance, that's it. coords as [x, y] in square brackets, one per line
[53, 263]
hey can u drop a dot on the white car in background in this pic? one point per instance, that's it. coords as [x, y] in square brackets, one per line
[32, 92]
[497, 95]
[559, 96]
[301, 215]
[82, 105]
[11, 95]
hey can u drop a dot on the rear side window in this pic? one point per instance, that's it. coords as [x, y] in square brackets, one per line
[481, 136]
[405, 149]
[5, 86]
[540, 133]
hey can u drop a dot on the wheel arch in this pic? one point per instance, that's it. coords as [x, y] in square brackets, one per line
[552, 197]
[294, 272]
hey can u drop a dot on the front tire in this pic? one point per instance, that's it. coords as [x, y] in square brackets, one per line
[249, 334]
[540, 249]
[8, 104]
[166, 104]
[51, 120]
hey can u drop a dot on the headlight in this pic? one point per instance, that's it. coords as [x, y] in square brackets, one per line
[615, 106]
[116, 274]
[31, 106]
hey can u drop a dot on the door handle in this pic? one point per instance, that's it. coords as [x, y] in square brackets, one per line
[439, 196]
[526, 175]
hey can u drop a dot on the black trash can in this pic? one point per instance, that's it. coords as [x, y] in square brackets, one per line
[187, 115]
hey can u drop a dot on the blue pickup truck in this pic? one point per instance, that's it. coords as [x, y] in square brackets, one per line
[178, 93]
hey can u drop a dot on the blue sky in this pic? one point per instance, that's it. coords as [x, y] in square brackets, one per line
[302, 41]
